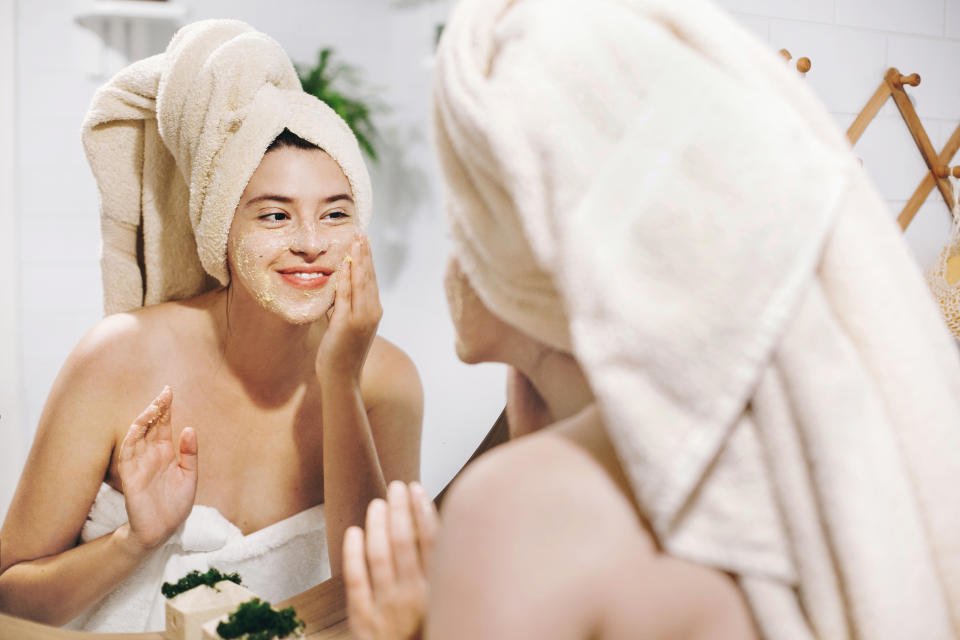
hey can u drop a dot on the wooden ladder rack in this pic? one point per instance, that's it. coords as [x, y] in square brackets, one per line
[937, 163]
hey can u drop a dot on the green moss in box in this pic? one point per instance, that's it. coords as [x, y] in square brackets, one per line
[257, 620]
[195, 579]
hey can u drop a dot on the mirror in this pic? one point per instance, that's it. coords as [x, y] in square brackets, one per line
[59, 60]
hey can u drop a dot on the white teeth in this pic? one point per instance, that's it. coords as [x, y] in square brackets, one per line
[308, 276]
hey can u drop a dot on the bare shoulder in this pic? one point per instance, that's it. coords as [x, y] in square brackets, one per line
[97, 393]
[528, 483]
[119, 353]
[389, 374]
[536, 515]
[106, 348]
[543, 515]
[116, 369]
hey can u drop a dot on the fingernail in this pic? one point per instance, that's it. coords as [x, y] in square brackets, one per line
[418, 492]
[396, 489]
[377, 510]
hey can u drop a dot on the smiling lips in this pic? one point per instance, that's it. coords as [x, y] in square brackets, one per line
[306, 277]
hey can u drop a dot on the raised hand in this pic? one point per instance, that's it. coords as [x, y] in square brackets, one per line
[355, 315]
[385, 568]
[159, 480]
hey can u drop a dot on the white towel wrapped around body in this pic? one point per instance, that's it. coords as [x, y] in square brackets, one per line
[173, 141]
[641, 183]
[276, 562]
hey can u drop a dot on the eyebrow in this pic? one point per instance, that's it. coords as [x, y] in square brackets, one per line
[273, 197]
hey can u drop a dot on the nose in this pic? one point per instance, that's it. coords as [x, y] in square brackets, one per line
[309, 241]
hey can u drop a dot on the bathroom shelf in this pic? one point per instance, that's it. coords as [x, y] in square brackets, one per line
[132, 9]
[121, 31]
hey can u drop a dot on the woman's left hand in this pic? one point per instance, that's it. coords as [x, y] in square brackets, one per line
[354, 317]
[385, 567]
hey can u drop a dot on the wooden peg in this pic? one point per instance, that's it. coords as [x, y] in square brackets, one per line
[804, 64]
[943, 171]
[912, 80]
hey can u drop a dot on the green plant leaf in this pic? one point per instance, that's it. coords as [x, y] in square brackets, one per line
[325, 80]
[195, 579]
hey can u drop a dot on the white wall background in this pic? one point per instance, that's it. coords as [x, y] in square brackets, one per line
[11, 393]
[850, 42]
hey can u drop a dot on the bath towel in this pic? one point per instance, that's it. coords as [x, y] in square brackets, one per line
[644, 185]
[276, 562]
[173, 140]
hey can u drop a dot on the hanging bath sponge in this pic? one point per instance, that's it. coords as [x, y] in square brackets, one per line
[944, 275]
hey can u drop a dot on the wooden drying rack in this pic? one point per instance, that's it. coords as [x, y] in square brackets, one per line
[803, 64]
[937, 163]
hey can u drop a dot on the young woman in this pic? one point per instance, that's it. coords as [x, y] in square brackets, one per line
[738, 415]
[540, 538]
[277, 413]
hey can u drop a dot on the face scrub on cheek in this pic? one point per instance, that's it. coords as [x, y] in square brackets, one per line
[256, 259]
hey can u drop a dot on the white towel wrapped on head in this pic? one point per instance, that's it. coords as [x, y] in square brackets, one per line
[641, 183]
[173, 141]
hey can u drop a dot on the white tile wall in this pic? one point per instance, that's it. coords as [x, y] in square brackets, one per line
[812, 10]
[47, 341]
[952, 26]
[848, 64]
[891, 158]
[924, 17]
[54, 190]
[757, 25]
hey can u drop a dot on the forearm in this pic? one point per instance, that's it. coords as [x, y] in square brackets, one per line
[352, 475]
[57, 588]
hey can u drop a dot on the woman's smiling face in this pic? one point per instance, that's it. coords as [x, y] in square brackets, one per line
[290, 233]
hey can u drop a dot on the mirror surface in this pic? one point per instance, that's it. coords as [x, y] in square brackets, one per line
[61, 54]
[60, 61]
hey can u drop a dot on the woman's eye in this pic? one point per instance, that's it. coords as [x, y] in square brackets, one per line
[336, 215]
[274, 216]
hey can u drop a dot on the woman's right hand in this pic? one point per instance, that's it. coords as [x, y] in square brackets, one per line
[385, 567]
[159, 480]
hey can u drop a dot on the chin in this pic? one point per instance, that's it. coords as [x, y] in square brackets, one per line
[303, 319]
[467, 353]
[301, 314]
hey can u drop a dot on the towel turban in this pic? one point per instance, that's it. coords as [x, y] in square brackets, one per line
[642, 184]
[173, 140]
